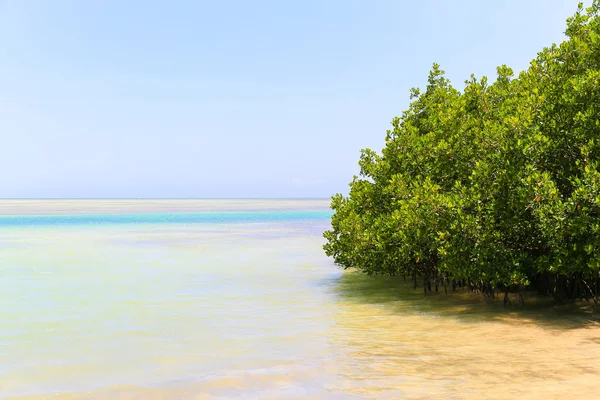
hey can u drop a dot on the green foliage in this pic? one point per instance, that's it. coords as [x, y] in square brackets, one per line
[495, 185]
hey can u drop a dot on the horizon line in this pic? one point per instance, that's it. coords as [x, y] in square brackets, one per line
[164, 198]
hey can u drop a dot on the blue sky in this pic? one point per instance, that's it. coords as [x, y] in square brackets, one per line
[220, 99]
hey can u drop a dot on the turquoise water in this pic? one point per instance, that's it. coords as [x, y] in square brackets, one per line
[114, 301]
[162, 305]
[165, 218]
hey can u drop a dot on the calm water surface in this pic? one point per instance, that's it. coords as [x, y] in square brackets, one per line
[232, 300]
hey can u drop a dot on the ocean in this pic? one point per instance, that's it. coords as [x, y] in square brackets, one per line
[194, 299]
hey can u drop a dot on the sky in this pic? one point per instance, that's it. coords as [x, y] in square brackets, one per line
[231, 99]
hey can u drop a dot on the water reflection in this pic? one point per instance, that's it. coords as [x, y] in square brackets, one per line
[399, 296]
[407, 344]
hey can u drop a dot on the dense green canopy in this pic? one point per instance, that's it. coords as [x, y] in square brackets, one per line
[496, 185]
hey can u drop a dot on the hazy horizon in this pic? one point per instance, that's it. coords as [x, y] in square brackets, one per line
[165, 198]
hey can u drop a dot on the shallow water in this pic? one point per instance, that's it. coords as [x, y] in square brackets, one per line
[174, 307]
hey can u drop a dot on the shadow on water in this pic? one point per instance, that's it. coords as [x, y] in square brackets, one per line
[399, 296]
